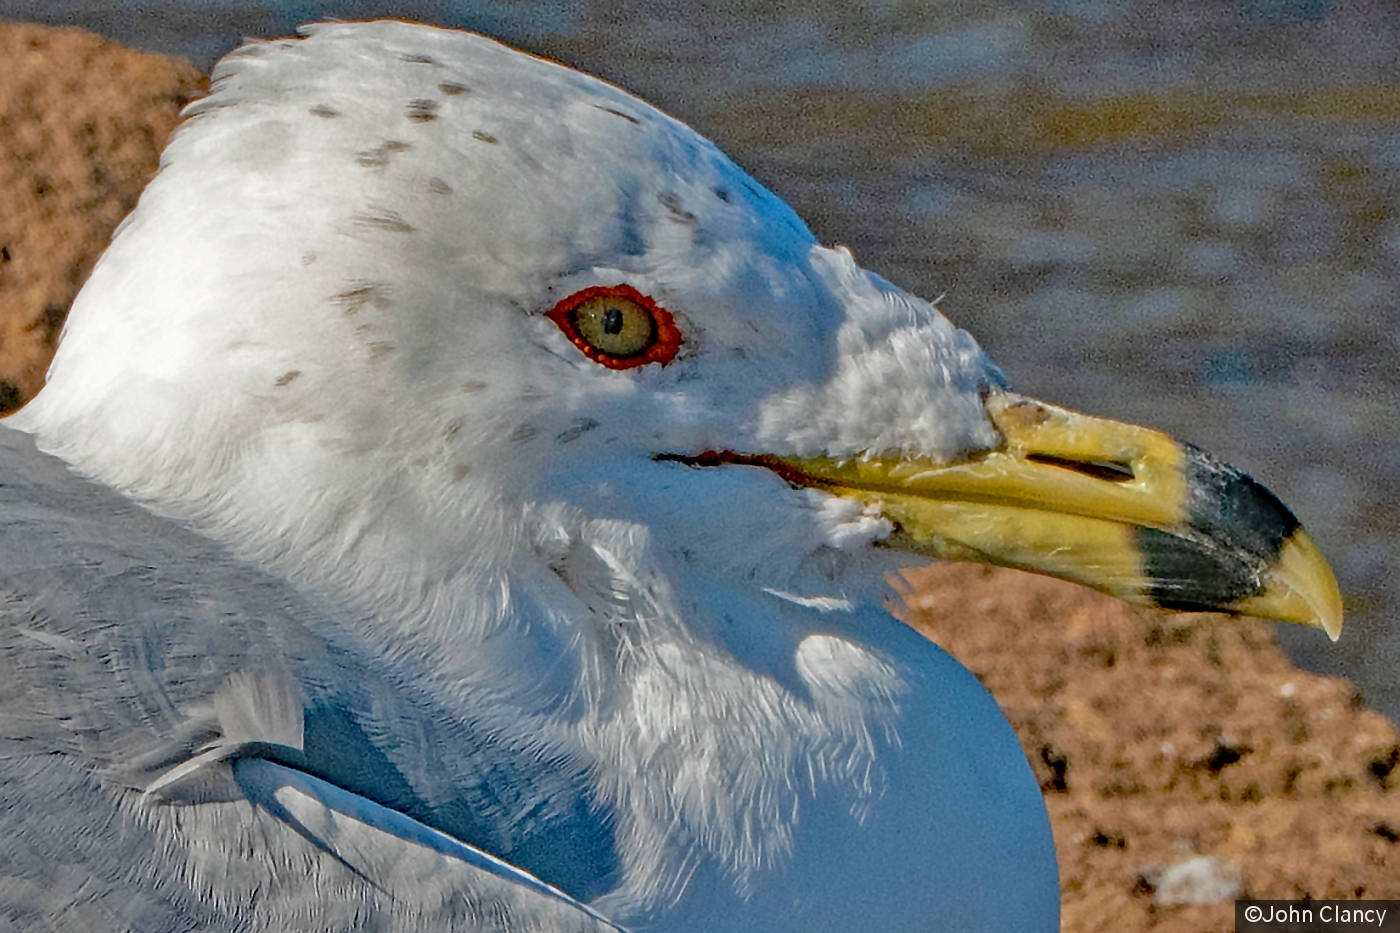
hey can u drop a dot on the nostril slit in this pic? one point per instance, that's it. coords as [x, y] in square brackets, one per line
[1110, 471]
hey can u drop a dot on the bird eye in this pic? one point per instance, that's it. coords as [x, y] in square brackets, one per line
[618, 326]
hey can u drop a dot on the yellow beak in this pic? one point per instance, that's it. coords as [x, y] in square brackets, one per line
[1117, 507]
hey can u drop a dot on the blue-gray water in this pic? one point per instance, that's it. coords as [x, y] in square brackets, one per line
[1185, 214]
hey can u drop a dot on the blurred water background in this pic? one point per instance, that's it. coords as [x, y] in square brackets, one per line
[1184, 213]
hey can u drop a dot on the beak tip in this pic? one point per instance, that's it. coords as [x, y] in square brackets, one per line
[1307, 571]
[1330, 619]
[1299, 587]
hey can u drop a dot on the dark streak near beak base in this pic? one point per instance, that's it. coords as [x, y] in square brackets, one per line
[1117, 507]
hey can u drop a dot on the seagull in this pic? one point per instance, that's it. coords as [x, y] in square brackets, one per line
[464, 499]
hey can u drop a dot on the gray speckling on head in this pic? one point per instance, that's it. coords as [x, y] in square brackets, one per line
[672, 202]
[384, 219]
[422, 111]
[362, 294]
[379, 156]
[581, 427]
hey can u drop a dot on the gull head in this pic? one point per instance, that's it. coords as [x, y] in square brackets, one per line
[502, 285]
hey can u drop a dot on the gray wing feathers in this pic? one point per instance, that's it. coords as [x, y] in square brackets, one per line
[129, 648]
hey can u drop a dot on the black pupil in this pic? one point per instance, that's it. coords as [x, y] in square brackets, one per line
[612, 321]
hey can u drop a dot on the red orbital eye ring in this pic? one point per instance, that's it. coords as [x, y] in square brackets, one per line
[665, 337]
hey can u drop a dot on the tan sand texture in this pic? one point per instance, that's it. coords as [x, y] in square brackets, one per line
[82, 122]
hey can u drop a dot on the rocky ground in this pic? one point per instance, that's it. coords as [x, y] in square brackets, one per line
[82, 123]
[1184, 760]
